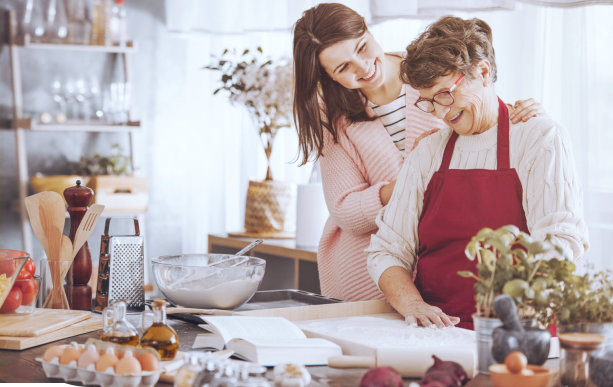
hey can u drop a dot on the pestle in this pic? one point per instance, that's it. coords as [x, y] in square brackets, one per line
[505, 309]
[513, 336]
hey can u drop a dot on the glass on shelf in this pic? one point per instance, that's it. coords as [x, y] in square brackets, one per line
[33, 23]
[79, 21]
[56, 29]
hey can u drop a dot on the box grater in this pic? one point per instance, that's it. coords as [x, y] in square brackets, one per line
[121, 270]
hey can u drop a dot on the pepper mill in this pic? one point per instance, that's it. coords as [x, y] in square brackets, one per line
[78, 291]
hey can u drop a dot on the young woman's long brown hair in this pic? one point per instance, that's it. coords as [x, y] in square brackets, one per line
[319, 102]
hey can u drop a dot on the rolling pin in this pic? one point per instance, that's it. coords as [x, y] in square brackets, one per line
[409, 362]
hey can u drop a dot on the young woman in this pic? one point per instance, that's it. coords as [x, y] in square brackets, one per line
[353, 113]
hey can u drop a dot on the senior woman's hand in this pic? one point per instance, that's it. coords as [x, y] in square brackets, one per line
[421, 313]
[397, 285]
[525, 109]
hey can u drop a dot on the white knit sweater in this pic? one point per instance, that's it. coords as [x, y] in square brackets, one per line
[541, 155]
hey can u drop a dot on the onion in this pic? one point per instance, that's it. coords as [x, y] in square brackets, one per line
[440, 378]
[451, 367]
[381, 377]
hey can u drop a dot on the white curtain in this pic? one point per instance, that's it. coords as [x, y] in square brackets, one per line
[560, 56]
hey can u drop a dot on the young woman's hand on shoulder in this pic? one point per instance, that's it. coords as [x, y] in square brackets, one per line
[525, 109]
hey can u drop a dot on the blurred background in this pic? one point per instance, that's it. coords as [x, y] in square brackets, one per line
[198, 152]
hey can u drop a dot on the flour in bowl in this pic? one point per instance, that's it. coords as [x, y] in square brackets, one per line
[224, 295]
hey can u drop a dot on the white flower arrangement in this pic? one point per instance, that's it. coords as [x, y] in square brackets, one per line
[264, 88]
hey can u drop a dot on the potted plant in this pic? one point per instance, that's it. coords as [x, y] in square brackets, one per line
[584, 310]
[111, 178]
[264, 88]
[509, 261]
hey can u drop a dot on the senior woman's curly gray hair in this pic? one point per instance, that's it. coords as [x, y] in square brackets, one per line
[449, 45]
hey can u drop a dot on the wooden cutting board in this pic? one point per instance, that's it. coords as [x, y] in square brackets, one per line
[40, 322]
[18, 343]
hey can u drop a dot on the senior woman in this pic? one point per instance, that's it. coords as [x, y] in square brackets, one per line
[481, 171]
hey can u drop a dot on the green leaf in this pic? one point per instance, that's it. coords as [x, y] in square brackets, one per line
[484, 233]
[536, 248]
[466, 274]
[511, 229]
[489, 259]
[471, 249]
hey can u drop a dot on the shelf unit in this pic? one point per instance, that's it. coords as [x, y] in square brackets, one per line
[20, 124]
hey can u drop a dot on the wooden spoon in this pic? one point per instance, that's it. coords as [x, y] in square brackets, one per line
[32, 202]
[52, 211]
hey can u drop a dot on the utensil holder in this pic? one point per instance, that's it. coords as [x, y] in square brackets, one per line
[57, 298]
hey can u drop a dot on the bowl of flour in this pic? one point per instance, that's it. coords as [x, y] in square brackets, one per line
[208, 280]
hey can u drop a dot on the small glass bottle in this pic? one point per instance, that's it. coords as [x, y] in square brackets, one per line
[160, 336]
[116, 328]
[101, 22]
[118, 27]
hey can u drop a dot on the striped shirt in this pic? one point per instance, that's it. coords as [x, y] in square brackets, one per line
[393, 116]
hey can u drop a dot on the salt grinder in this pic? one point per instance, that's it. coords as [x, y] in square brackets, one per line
[78, 291]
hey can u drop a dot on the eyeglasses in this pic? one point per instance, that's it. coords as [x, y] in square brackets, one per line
[443, 98]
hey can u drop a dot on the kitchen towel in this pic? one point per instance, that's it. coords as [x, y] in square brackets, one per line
[311, 214]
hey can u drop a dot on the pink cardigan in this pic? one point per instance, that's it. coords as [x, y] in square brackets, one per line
[353, 172]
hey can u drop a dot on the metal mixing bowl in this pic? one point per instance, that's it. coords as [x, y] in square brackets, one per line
[208, 280]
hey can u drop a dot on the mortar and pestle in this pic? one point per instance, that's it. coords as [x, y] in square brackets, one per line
[513, 336]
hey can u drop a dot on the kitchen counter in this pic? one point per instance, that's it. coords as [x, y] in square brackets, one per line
[20, 366]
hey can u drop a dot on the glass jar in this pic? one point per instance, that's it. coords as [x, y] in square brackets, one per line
[159, 335]
[575, 357]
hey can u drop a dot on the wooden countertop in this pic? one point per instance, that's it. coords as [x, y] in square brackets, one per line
[20, 366]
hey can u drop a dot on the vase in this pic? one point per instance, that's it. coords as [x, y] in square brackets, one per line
[484, 326]
[270, 208]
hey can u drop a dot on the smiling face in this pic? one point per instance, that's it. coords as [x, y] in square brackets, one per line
[355, 63]
[475, 103]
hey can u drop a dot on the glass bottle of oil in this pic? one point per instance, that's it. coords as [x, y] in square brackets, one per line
[160, 336]
[116, 328]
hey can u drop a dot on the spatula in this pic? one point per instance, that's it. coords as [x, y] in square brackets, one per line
[86, 227]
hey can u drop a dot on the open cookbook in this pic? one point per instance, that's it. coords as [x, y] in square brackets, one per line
[266, 340]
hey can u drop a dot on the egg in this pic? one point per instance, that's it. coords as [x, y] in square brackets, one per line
[516, 362]
[89, 356]
[127, 365]
[53, 352]
[148, 361]
[106, 361]
[71, 353]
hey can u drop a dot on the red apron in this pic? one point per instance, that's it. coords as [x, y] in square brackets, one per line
[457, 204]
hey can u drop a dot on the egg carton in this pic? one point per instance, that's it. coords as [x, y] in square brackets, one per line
[88, 376]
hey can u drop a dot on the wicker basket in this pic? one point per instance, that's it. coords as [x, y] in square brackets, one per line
[270, 207]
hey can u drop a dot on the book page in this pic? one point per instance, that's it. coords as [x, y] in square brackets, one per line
[247, 327]
[271, 352]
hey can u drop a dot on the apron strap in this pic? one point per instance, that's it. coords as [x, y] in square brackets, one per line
[448, 151]
[503, 136]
